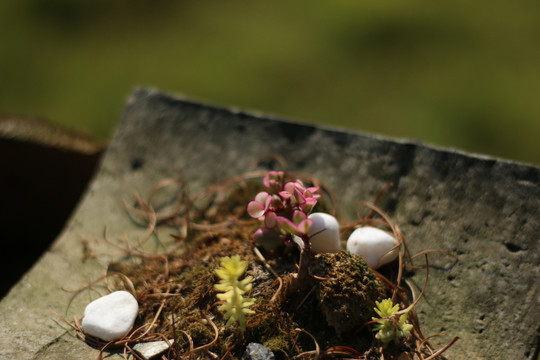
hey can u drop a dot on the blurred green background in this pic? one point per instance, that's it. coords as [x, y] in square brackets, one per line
[460, 74]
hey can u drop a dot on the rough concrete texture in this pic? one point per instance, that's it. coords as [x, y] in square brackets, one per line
[483, 209]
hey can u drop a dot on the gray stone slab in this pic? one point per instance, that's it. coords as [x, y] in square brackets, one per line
[484, 209]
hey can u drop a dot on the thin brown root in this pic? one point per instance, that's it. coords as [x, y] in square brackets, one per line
[417, 332]
[378, 197]
[423, 288]
[366, 324]
[385, 280]
[104, 277]
[216, 336]
[321, 278]
[147, 291]
[147, 212]
[443, 349]
[305, 298]
[398, 235]
[63, 319]
[227, 352]
[342, 351]
[150, 325]
[133, 352]
[316, 353]
[280, 159]
[425, 341]
[276, 275]
[429, 251]
[190, 341]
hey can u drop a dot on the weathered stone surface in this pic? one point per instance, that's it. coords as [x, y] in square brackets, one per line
[483, 209]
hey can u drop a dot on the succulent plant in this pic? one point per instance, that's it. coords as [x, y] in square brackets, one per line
[232, 290]
[389, 326]
[283, 210]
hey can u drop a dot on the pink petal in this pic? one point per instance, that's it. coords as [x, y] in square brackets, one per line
[286, 225]
[298, 216]
[300, 185]
[276, 203]
[255, 209]
[270, 220]
[285, 195]
[261, 197]
[272, 179]
[304, 226]
[266, 180]
[300, 199]
[309, 204]
[290, 187]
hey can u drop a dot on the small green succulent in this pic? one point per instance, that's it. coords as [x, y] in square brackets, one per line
[389, 327]
[232, 290]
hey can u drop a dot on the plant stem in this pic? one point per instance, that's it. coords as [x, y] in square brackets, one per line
[301, 279]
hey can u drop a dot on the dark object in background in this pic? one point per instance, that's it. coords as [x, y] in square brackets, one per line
[44, 170]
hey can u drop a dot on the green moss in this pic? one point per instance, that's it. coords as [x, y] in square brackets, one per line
[348, 292]
[330, 309]
[271, 325]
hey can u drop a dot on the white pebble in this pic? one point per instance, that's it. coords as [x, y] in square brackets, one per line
[376, 246]
[150, 349]
[324, 233]
[110, 317]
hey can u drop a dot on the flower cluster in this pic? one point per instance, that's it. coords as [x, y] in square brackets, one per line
[283, 209]
[389, 327]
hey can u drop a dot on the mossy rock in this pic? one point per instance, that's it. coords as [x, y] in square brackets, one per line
[347, 292]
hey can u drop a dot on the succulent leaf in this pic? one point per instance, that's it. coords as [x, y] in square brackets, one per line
[388, 327]
[232, 290]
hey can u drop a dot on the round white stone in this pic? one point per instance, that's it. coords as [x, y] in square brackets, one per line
[324, 233]
[376, 246]
[110, 317]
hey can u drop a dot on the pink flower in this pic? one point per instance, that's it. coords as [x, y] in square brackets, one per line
[297, 194]
[258, 207]
[273, 180]
[283, 209]
[298, 226]
[308, 204]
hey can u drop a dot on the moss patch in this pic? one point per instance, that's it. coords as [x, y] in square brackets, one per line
[335, 302]
[347, 295]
